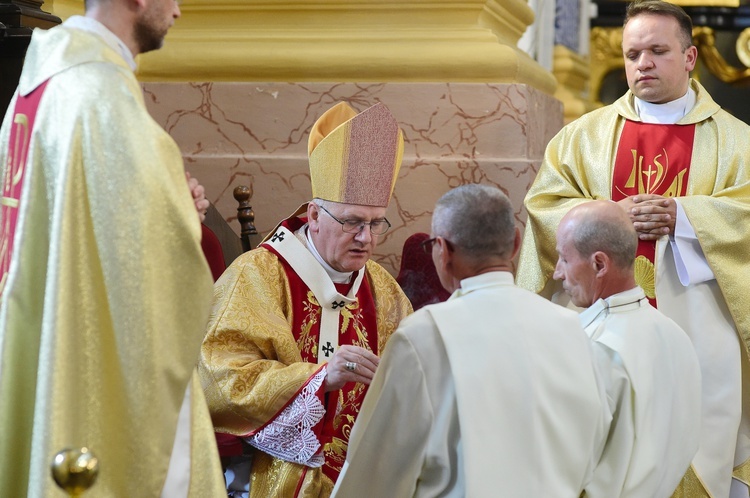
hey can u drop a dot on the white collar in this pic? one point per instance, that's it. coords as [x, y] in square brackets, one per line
[93, 26]
[482, 281]
[616, 303]
[338, 277]
[668, 113]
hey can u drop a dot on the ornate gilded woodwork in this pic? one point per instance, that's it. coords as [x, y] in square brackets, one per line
[606, 56]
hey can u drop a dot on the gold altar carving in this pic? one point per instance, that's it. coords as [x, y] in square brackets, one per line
[572, 72]
[344, 41]
[606, 56]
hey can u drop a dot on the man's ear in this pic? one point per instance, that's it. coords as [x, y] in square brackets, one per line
[691, 57]
[313, 216]
[601, 263]
[516, 243]
[445, 254]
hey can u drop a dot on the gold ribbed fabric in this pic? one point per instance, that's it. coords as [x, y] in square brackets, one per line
[742, 472]
[690, 486]
[108, 291]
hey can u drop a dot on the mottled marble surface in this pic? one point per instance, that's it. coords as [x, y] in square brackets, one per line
[256, 134]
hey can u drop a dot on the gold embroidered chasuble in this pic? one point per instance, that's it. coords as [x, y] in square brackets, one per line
[101, 316]
[260, 354]
[578, 167]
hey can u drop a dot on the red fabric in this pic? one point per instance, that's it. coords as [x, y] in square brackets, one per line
[652, 159]
[213, 252]
[24, 116]
[360, 318]
[418, 277]
[229, 445]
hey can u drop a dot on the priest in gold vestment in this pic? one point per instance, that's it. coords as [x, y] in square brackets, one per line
[105, 291]
[680, 167]
[298, 323]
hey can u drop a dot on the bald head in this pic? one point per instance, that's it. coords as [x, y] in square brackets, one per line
[596, 245]
[603, 226]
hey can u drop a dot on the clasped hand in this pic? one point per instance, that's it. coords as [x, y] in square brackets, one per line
[652, 215]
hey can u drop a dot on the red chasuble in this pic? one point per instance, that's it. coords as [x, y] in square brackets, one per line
[651, 159]
[24, 115]
[357, 326]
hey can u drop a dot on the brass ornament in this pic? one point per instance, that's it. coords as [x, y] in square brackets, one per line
[705, 39]
[75, 470]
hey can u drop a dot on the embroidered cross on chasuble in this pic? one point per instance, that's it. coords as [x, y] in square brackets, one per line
[651, 159]
[24, 115]
[318, 304]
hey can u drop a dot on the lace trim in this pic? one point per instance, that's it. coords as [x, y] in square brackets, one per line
[290, 436]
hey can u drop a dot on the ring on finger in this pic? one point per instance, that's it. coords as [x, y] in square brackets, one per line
[350, 365]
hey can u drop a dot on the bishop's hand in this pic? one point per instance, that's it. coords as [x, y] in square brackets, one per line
[350, 364]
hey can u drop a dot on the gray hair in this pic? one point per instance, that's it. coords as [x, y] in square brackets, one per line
[614, 236]
[478, 219]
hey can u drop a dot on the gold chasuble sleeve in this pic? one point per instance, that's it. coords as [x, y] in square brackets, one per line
[718, 207]
[577, 168]
[250, 364]
[108, 292]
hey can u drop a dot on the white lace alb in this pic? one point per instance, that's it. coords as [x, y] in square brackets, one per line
[290, 436]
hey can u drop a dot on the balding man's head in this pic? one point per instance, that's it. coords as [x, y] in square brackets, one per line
[603, 226]
[596, 244]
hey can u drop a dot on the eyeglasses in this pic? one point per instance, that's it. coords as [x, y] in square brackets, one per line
[427, 245]
[377, 227]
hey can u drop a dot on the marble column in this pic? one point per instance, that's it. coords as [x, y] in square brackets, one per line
[239, 83]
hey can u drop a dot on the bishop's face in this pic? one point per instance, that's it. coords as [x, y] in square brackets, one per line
[343, 251]
[154, 22]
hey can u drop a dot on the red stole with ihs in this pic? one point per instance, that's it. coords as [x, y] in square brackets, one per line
[651, 159]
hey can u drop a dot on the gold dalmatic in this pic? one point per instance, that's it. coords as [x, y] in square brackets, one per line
[107, 291]
[651, 159]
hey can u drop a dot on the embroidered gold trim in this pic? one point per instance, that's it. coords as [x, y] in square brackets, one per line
[644, 276]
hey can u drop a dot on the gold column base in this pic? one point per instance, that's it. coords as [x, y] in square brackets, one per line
[572, 73]
[344, 41]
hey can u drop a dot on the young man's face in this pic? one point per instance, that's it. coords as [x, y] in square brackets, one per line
[154, 23]
[578, 274]
[343, 251]
[656, 66]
